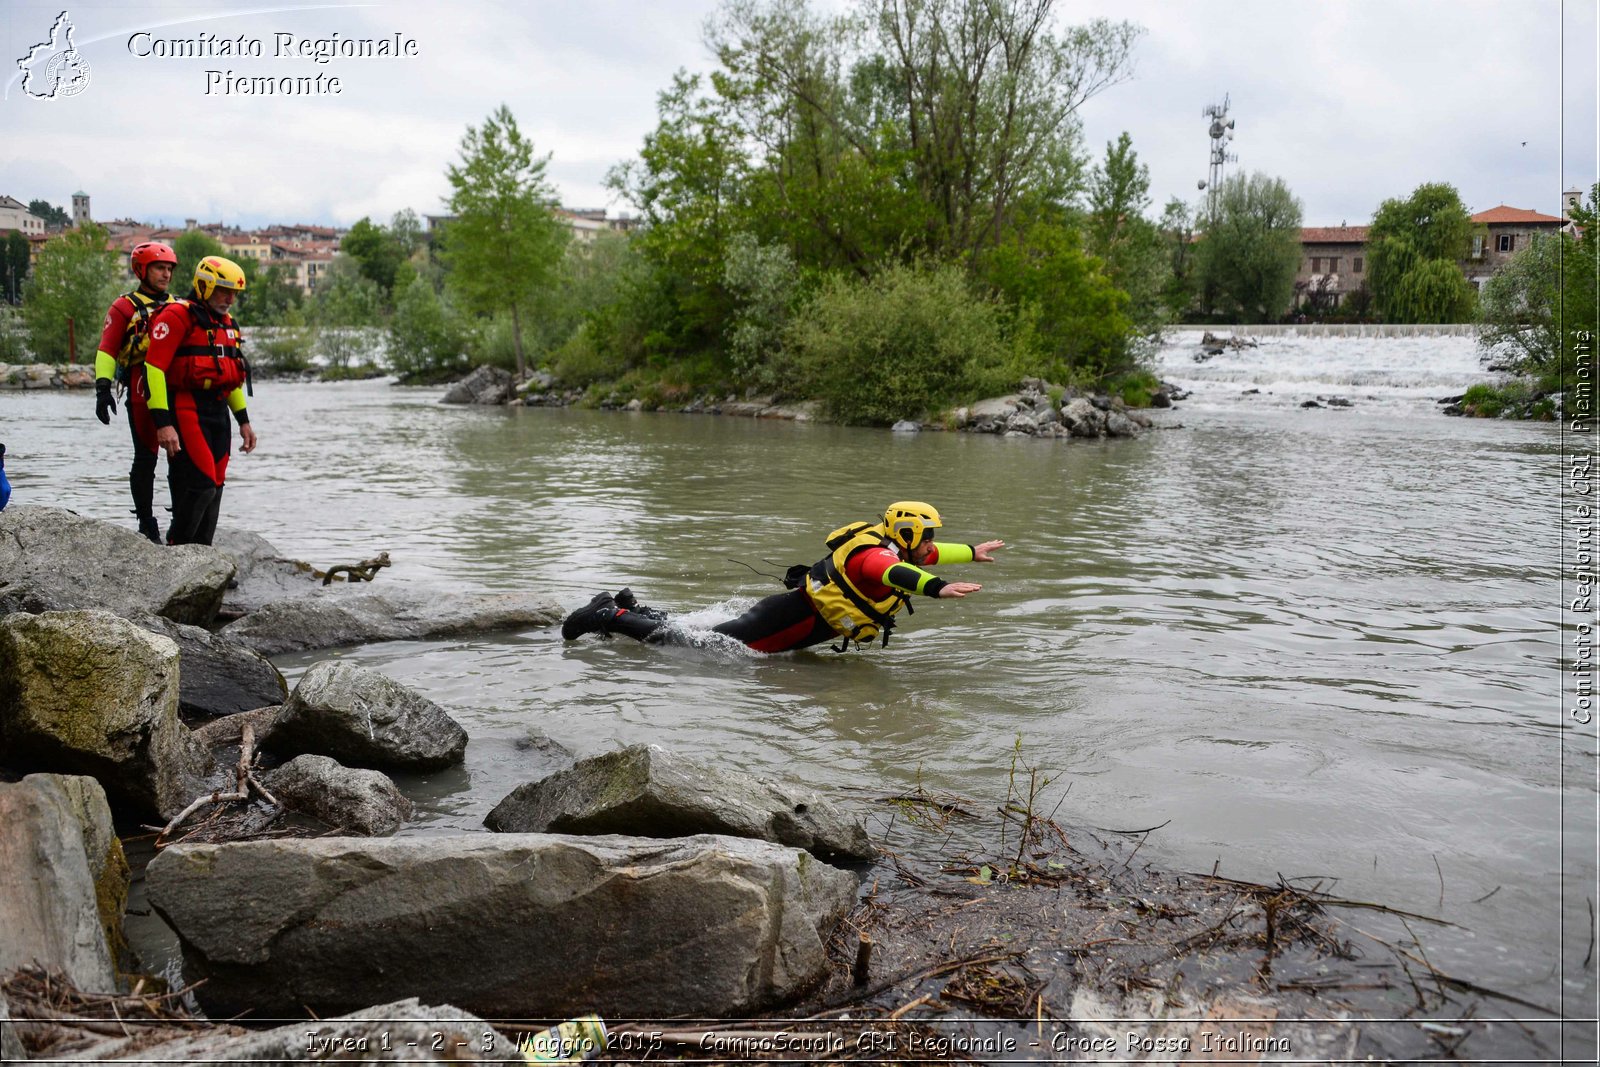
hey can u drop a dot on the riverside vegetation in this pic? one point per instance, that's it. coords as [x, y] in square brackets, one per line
[890, 211]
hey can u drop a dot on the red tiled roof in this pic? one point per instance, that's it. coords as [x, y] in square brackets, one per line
[1502, 213]
[1333, 235]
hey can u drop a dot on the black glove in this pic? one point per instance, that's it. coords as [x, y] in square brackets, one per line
[104, 402]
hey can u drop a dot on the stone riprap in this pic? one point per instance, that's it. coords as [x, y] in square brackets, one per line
[334, 617]
[54, 560]
[646, 791]
[360, 717]
[86, 692]
[506, 925]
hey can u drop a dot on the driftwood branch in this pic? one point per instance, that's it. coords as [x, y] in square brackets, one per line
[244, 781]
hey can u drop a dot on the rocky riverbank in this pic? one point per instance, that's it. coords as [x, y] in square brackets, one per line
[46, 376]
[641, 884]
[1037, 409]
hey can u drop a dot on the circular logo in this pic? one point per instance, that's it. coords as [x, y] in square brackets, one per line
[159, 331]
[67, 74]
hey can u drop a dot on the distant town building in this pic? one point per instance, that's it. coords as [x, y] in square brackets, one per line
[1333, 266]
[80, 208]
[1334, 258]
[14, 215]
[1509, 231]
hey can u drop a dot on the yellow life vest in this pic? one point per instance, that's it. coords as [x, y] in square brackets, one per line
[853, 614]
[136, 337]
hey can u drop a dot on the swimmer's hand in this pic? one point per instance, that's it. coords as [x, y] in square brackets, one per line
[957, 590]
[980, 553]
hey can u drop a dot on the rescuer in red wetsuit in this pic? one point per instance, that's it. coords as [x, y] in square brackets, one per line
[853, 593]
[120, 358]
[197, 375]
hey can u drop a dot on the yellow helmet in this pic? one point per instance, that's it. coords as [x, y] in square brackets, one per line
[213, 273]
[910, 522]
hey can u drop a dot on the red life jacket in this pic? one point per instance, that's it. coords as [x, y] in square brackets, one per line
[208, 358]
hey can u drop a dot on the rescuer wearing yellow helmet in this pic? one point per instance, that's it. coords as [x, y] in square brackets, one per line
[852, 594]
[197, 374]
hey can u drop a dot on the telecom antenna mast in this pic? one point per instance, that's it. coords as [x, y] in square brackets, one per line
[1221, 136]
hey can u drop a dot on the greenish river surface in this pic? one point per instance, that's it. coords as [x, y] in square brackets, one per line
[1307, 642]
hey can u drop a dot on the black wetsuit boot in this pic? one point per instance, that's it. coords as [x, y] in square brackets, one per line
[142, 484]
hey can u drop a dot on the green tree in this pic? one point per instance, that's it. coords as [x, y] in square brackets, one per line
[1542, 303]
[376, 250]
[15, 252]
[1251, 249]
[902, 345]
[426, 336]
[271, 293]
[765, 282]
[1409, 245]
[191, 247]
[345, 310]
[504, 245]
[1131, 246]
[75, 278]
[1071, 319]
[1177, 234]
[54, 217]
[407, 232]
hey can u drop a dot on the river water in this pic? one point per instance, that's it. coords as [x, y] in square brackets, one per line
[1309, 642]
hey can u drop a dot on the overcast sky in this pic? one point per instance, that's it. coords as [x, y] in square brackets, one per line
[1348, 101]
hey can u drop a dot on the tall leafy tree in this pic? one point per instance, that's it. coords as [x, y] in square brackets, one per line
[76, 278]
[270, 295]
[504, 245]
[1414, 250]
[1539, 312]
[1118, 232]
[14, 266]
[54, 217]
[1251, 249]
[376, 250]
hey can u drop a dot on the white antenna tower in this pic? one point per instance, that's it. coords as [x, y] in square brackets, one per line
[1221, 136]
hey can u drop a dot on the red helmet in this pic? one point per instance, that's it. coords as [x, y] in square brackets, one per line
[151, 252]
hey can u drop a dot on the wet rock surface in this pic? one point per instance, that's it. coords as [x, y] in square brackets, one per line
[648, 791]
[501, 924]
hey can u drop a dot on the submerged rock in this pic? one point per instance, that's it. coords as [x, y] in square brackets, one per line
[85, 692]
[503, 925]
[54, 560]
[358, 716]
[332, 617]
[356, 801]
[59, 859]
[646, 791]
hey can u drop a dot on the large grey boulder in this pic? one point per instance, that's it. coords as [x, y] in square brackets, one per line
[406, 1031]
[356, 801]
[647, 791]
[218, 674]
[504, 925]
[358, 716]
[333, 617]
[485, 385]
[54, 560]
[997, 408]
[1120, 424]
[86, 692]
[1083, 419]
[56, 847]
